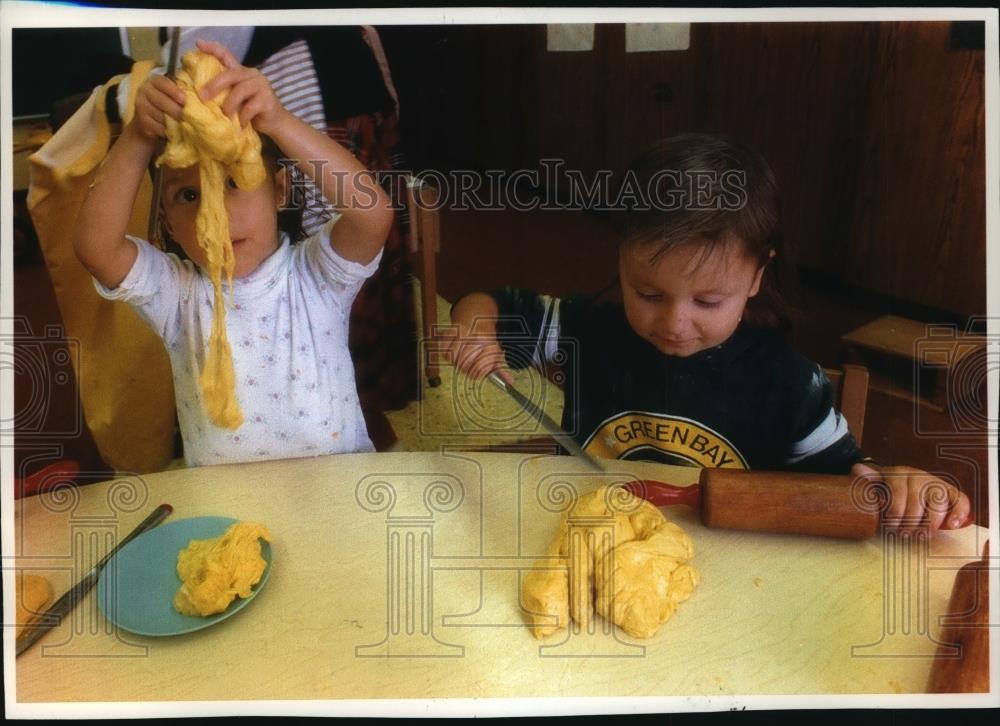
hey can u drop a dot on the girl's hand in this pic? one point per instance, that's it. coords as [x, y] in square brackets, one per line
[918, 499]
[157, 97]
[250, 97]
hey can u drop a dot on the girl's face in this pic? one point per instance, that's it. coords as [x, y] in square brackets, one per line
[253, 217]
[684, 303]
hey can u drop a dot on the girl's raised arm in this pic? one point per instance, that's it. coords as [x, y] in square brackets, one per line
[100, 242]
[365, 208]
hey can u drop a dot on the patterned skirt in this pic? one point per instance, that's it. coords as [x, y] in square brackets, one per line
[383, 335]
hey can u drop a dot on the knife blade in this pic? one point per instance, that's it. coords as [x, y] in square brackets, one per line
[69, 600]
[154, 208]
[564, 439]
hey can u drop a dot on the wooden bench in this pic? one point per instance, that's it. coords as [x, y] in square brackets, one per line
[912, 360]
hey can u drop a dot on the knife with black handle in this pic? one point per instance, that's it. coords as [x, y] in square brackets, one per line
[65, 604]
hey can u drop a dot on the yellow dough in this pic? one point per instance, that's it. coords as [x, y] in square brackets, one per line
[33, 593]
[544, 596]
[214, 572]
[624, 560]
[222, 149]
[645, 581]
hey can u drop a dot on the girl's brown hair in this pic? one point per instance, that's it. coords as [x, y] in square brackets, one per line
[708, 190]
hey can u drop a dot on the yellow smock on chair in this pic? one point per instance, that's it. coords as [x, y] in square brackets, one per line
[123, 371]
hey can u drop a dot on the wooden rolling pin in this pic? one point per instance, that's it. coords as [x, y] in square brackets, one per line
[967, 669]
[784, 502]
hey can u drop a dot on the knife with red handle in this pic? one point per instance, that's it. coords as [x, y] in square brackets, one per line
[828, 505]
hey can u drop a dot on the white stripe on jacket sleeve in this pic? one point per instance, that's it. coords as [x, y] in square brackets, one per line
[829, 432]
[548, 336]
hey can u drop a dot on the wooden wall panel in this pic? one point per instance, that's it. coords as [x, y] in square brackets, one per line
[875, 130]
[918, 227]
[796, 92]
[572, 111]
[653, 95]
[508, 99]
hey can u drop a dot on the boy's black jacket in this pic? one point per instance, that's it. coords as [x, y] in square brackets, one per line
[745, 403]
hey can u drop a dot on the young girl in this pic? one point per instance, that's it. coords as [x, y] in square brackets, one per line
[287, 324]
[693, 368]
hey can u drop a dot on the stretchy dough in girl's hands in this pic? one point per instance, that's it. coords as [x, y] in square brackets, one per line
[214, 572]
[222, 149]
[622, 559]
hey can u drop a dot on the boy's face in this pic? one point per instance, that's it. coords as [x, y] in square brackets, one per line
[684, 303]
[253, 217]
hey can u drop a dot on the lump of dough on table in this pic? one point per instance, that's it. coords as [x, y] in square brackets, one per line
[635, 578]
[214, 572]
[585, 545]
[643, 581]
[544, 597]
[552, 596]
[222, 149]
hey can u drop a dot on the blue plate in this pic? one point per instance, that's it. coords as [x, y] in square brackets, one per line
[136, 589]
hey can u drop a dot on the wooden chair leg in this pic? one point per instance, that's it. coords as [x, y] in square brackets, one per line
[425, 236]
[854, 398]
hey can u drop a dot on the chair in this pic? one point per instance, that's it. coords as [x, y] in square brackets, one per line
[850, 395]
[425, 236]
[59, 473]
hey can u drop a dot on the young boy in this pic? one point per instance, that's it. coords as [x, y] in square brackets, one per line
[694, 367]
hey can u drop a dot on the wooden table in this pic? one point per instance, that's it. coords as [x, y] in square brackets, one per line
[396, 576]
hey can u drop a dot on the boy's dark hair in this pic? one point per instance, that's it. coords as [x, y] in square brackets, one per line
[706, 189]
[289, 215]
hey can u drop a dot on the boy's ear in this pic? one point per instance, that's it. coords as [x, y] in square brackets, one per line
[760, 273]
